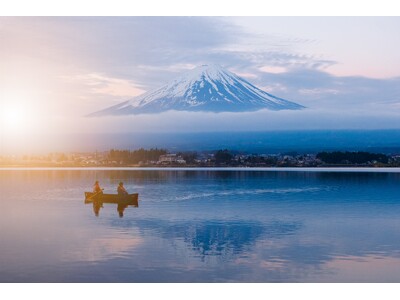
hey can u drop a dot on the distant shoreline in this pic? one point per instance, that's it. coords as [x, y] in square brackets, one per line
[244, 169]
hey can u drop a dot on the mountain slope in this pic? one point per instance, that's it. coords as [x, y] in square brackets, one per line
[205, 88]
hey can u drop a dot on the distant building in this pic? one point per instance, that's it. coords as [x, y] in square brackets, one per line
[171, 158]
[167, 158]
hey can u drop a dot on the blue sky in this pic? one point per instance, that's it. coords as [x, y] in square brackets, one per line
[55, 70]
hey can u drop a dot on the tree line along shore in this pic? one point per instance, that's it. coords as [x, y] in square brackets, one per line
[155, 157]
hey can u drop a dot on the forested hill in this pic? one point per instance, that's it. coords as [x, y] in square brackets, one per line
[338, 157]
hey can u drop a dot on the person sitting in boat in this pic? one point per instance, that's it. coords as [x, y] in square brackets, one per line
[96, 188]
[121, 190]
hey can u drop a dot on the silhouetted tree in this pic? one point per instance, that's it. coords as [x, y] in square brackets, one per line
[223, 156]
[338, 157]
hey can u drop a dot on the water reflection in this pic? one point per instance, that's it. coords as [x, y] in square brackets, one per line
[122, 201]
[227, 239]
[120, 208]
[122, 204]
[200, 226]
[96, 207]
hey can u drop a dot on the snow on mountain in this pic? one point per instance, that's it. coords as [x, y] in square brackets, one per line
[205, 88]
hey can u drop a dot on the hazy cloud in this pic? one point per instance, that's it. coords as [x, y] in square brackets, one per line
[100, 84]
[319, 89]
[101, 61]
[364, 117]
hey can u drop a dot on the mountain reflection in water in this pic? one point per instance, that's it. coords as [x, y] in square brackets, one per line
[218, 238]
[201, 226]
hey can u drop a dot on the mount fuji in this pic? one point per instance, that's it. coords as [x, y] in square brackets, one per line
[205, 88]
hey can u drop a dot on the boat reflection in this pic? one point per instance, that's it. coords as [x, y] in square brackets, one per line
[120, 208]
[97, 200]
[96, 207]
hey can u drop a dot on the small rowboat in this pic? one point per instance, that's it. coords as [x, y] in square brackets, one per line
[130, 199]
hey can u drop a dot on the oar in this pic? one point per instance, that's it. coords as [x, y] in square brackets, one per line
[94, 194]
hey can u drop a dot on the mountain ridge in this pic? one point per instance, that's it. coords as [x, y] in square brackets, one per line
[205, 88]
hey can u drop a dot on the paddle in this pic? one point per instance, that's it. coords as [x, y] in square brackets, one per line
[94, 194]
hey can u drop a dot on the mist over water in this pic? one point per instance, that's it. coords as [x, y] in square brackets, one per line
[201, 226]
[268, 142]
[386, 141]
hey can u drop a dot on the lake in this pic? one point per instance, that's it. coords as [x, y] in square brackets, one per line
[201, 225]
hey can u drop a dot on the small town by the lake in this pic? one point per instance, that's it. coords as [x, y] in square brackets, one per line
[155, 157]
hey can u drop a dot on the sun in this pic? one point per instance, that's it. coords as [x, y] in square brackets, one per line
[13, 118]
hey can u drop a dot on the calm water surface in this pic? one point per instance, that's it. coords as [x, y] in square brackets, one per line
[201, 226]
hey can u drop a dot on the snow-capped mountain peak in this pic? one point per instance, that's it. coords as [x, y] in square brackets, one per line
[205, 88]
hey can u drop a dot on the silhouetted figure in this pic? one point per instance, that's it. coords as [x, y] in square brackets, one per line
[120, 208]
[96, 188]
[121, 190]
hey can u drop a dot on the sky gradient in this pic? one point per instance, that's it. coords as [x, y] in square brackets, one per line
[56, 70]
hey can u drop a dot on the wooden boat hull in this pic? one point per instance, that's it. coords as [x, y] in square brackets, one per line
[131, 199]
